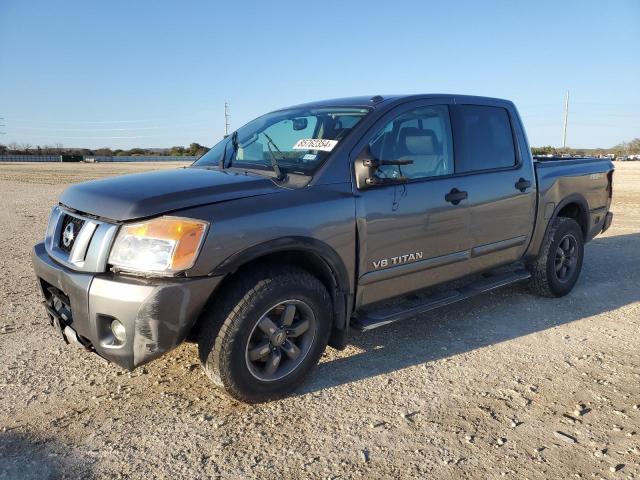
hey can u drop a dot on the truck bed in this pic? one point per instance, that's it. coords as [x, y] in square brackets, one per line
[585, 182]
[543, 159]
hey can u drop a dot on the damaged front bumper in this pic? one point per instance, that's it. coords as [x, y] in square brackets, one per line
[157, 314]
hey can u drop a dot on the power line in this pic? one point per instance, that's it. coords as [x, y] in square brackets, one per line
[130, 129]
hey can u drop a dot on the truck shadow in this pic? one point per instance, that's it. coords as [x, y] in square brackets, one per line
[27, 459]
[609, 280]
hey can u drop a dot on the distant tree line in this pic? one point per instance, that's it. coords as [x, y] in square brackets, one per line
[194, 149]
[628, 148]
[625, 148]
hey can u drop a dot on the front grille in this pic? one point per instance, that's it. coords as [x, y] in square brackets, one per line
[68, 234]
[85, 252]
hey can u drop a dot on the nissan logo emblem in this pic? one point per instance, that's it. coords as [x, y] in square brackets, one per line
[68, 235]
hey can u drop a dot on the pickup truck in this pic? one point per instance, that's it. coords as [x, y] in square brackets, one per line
[308, 222]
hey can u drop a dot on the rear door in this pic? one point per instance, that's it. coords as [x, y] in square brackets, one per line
[488, 143]
[416, 234]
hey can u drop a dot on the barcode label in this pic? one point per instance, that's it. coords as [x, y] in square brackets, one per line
[315, 144]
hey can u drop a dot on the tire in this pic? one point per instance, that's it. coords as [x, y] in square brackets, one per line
[555, 271]
[238, 326]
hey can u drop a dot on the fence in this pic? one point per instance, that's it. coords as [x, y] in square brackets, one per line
[136, 158]
[97, 158]
[30, 158]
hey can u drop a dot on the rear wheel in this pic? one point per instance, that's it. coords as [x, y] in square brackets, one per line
[268, 332]
[557, 268]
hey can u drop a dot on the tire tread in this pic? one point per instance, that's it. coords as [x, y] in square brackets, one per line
[225, 319]
[539, 281]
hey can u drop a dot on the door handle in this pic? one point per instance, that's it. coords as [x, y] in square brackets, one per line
[455, 196]
[522, 184]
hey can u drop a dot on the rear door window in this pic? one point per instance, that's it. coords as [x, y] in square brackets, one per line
[482, 138]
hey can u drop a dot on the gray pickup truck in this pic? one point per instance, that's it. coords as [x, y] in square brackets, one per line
[312, 220]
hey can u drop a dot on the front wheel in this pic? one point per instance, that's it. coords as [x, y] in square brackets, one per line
[267, 334]
[557, 268]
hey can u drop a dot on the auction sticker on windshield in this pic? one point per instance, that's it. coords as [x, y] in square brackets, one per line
[315, 144]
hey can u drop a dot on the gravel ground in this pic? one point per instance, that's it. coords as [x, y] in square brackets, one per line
[503, 385]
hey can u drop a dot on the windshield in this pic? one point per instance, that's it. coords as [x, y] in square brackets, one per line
[294, 141]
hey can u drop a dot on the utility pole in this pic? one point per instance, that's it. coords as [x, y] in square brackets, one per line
[226, 119]
[2, 125]
[566, 115]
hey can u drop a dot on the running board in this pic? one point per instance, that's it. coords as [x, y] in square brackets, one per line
[368, 320]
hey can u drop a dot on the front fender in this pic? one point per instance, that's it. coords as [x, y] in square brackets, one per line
[341, 292]
[284, 244]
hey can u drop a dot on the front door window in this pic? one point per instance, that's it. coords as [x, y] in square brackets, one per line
[423, 136]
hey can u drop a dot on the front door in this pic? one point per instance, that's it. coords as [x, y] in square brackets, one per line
[415, 234]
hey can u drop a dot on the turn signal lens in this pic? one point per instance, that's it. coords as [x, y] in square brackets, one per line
[165, 245]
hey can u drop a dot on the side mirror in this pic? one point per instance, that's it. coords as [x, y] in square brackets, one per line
[365, 168]
[300, 123]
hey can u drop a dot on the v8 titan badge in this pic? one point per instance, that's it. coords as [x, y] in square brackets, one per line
[315, 144]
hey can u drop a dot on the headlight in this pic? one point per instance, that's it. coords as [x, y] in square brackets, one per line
[165, 245]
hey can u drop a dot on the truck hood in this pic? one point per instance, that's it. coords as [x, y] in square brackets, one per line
[147, 194]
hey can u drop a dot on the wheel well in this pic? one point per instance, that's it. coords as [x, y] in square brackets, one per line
[309, 261]
[578, 213]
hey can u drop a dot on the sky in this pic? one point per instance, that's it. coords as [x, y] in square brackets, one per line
[121, 74]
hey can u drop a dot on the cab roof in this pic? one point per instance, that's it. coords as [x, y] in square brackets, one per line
[374, 101]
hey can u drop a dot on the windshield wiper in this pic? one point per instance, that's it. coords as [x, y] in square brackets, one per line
[274, 160]
[234, 143]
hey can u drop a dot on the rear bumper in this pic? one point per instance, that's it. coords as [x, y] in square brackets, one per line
[157, 314]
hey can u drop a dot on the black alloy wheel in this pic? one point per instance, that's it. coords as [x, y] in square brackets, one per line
[261, 338]
[556, 269]
[566, 258]
[280, 340]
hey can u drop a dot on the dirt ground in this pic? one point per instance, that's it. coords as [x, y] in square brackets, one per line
[504, 385]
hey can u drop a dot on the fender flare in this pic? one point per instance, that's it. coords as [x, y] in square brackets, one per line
[343, 295]
[584, 207]
[573, 198]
